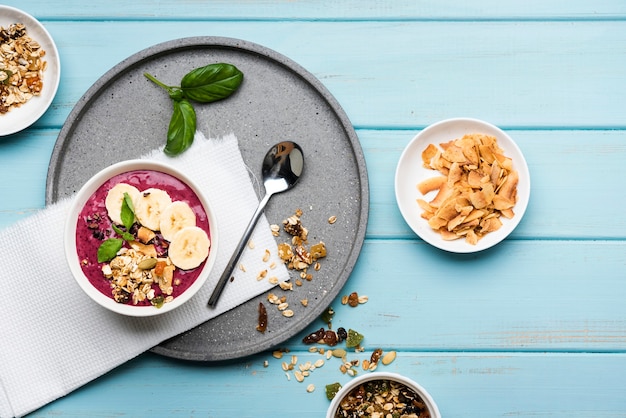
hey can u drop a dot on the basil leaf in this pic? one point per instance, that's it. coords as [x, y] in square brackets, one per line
[128, 212]
[108, 249]
[182, 128]
[126, 236]
[212, 82]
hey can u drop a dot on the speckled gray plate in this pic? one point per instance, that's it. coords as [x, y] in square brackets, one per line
[123, 116]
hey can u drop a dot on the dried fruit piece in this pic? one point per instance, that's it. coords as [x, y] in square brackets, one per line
[353, 299]
[314, 337]
[353, 339]
[262, 323]
[330, 338]
[332, 389]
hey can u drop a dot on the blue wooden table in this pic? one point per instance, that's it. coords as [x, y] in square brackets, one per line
[534, 327]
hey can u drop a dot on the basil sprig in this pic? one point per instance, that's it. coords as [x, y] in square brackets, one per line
[110, 247]
[204, 85]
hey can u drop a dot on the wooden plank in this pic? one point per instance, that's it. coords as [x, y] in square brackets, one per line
[567, 199]
[576, 179]
[327, 9]
[518, 296]
[463, 384]
[397, 74]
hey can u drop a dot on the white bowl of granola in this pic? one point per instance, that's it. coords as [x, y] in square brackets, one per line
[140, 239]
[382, 393]
[26, 90]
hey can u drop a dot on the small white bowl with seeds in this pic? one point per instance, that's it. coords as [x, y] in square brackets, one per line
[381, 394]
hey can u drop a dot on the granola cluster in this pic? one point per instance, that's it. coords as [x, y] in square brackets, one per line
[21, 67]
[134, 271]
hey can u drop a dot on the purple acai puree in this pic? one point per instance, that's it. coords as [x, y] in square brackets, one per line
[88, 237]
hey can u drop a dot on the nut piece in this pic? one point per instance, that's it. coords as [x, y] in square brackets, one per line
[388, 358]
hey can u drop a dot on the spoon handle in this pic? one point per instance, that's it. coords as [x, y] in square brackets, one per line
[219, 287]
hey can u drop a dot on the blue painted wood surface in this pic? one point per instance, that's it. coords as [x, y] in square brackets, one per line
[533, 327]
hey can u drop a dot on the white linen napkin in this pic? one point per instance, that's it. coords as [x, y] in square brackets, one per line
[54, 339]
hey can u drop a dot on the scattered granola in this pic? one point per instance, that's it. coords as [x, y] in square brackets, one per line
[21, 67]
[354, 300]
[296, 255]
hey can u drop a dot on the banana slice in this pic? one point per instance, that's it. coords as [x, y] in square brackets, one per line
[189, 248]
[149, 205]
[115, 196]
[175, 217]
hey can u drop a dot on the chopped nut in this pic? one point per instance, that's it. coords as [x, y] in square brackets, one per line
[339, 353]
[332, 219]
[388, 357]
[288, 313]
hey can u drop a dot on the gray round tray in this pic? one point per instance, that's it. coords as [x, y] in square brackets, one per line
[123, 116]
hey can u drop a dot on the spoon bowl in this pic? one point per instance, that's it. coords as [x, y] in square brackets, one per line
[281, 170]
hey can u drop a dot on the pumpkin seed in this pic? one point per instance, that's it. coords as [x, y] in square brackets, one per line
[147, 263]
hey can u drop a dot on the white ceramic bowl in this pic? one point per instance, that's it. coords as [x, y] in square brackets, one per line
[27, 114]
[352, 384]
[410, 171]
[77, 206]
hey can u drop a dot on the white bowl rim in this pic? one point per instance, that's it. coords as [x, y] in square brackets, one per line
[345, 389]
[19, 119]
[410, 162]
[79, 201]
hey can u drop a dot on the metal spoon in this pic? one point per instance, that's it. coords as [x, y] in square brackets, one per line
[282, 167]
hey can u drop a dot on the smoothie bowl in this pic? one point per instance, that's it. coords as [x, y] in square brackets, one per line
[141, 239]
